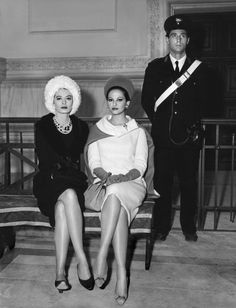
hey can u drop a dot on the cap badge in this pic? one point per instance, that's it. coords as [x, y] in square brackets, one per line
[178, 20]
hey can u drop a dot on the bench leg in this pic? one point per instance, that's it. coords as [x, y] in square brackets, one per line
[148, 254]
[1, 249]
[7, 238]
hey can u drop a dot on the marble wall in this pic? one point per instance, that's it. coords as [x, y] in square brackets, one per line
[25, 99]
[88, 40]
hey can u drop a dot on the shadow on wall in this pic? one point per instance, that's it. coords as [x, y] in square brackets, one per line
[135, 109]
[90, 107]
[87, 107]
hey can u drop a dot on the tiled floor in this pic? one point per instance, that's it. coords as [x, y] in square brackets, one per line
[182, 274]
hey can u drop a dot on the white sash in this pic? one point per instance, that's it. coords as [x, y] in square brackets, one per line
[177, 83]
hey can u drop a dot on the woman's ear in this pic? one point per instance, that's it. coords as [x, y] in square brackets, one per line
[127, 104]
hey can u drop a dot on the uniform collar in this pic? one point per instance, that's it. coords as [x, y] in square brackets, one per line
[181, 61]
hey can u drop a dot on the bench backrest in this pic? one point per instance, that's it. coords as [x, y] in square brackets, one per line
[18, 160]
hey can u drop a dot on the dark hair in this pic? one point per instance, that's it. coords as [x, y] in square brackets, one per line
[168, 33]
[124, 91]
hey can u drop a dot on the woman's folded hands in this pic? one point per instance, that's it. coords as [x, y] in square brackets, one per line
[116, 178]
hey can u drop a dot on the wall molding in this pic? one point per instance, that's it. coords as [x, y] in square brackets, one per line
[92, 67]
[101, 67]
[82, 16]
[200, 6]
[39, 68]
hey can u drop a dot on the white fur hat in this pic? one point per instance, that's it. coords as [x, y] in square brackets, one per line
[60, 82]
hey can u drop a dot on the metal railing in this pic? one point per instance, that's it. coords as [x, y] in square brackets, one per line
[18, 160]
[217, 172]
[216, 176]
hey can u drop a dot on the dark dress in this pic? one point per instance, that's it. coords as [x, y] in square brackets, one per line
[59, 163]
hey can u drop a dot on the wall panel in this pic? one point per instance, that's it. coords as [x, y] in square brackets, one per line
[89, 51]
[72, 15]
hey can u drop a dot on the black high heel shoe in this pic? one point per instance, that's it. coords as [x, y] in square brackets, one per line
[86, 283]
[66, 284]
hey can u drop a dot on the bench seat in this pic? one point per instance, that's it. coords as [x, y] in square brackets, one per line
[22, 210]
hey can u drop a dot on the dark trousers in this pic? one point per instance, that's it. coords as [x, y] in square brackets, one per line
[184, 164]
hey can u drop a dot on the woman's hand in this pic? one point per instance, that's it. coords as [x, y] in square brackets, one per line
[114, 178]
[101, 173]
[119, 178]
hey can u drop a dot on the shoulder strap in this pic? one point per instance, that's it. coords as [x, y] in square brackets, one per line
[177, 83]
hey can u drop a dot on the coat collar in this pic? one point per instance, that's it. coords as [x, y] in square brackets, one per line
[169, 67]
[187, 62]
[54, 139]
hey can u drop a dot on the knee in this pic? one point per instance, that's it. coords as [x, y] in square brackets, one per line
[111, 205]
[69, 195]
[112, 199]
[59, 210]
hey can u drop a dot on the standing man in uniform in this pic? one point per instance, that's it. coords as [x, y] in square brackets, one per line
[175, 121]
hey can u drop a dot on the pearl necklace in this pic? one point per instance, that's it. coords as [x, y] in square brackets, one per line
[63, 128]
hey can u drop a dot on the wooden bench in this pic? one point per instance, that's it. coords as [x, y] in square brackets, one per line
[18, 206]
[22, 210]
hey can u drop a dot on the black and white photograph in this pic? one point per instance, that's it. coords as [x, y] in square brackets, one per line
[117, 153]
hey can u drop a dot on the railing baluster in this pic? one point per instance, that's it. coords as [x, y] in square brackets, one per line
[7, 174]
[21, 162]
[217, 147]
[232, 214]
[201, 190]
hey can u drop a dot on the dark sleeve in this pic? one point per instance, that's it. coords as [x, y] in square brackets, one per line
[147, 100]
[42, 149]
[84, 132]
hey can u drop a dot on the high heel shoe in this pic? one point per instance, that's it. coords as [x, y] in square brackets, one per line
[86, 283]
[121, 299]
[65, 283]
[101, 281]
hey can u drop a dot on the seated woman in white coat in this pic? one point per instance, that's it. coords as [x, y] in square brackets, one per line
[118, 152]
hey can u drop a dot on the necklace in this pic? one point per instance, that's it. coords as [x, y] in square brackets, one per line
[63, 128]
[120, 124]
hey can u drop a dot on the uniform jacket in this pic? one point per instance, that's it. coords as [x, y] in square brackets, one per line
[181, 109]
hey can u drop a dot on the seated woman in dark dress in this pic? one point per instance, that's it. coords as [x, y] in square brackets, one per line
[59, 184]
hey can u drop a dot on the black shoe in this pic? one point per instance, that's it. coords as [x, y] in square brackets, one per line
[191, 237]
[87, 283]
[62, 285]
[161, 236]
